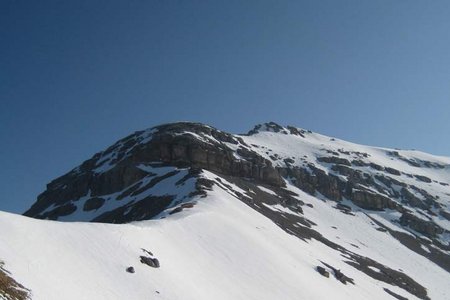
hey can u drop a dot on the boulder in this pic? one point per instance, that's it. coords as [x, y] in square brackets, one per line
[323, 272]
[152, 262]
[392, 171]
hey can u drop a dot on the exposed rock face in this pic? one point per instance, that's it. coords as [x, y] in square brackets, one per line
[445, 214]
[425, 227]
[117, 169]
[334, 160]
[314, 180]
[372, 201]
[10, 288]
[93, 203]
[170, 147]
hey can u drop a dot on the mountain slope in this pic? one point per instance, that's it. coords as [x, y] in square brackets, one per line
[265, 209]
[221, 249]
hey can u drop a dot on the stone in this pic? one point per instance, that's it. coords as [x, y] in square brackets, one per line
[152, 262]
[372, 201]
[423, 178]
[93, 203]
[323, 272]
[425, 227]
[334, 160]
[445, 214]
[392, 171]
[376, 167]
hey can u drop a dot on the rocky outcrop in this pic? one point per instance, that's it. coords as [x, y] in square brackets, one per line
[186, 150]
[445, 214]
[334, 160]
[393, 171]
[372, 201]
[117, 169]
[412, 199]
[93, 203]
[422, 226]
[314, 180]
[323, 272]
[423, 178]
[10, 288]
[144, 209]
[151, 262]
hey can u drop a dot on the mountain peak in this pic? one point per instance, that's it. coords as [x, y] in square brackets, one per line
[276, 128]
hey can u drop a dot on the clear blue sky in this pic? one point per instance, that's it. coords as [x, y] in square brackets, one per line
[75, 76]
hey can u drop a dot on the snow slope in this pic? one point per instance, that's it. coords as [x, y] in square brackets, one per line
[221, 249]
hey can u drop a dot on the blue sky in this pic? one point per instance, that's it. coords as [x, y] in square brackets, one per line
[75, 76]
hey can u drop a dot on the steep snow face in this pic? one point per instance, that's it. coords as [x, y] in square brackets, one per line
[220, 249]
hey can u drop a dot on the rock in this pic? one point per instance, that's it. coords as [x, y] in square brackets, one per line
[392, 171]
[358, 163]
[152, 262]
[339, 275]
[376, 167]
[93, 203]
[397, 296]
[342, 169]
[144, 209]
[176, 210]
[171, 144]
[10, 289]
[344, 208]
[130, 270]
[63, 210]
[334, 160]
[342, 278]
[423, 178]
[270, 126]
[445, 214]
[411, 199]
[372, 201]
[296, 131]
[389, 181]
[425, 227]
[288, 161]
[323, 272]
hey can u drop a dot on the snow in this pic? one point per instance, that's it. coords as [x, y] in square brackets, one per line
[266, 190]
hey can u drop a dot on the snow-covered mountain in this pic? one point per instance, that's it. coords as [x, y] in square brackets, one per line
[278, 213]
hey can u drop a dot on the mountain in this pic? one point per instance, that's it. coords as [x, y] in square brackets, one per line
[277, 213]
